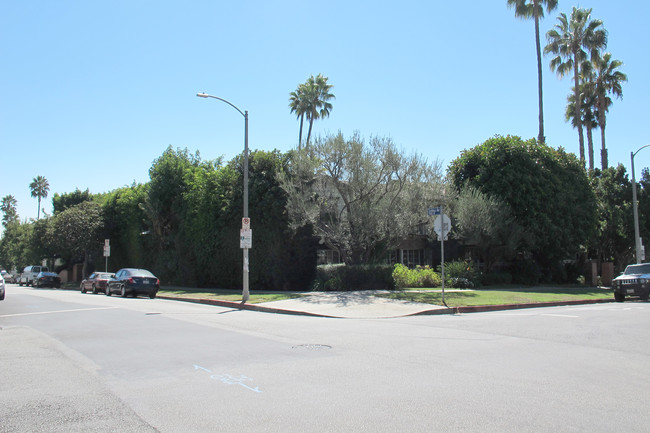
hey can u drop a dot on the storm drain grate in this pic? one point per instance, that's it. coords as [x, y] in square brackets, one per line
[312, 346]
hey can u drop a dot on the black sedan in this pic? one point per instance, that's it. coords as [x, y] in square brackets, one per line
[47, 279]
[130, 281]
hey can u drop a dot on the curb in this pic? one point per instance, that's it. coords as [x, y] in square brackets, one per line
[243, 306]
[432, 312]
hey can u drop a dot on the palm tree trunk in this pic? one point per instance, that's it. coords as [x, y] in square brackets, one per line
[302, 117]
[540, 137]
[603, 150]
[311, 123]
[590, 147]
[38, 217]
[578, 112]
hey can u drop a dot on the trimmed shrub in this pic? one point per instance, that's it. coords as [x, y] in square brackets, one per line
[344, 278]
[418, 277]
[462, 274]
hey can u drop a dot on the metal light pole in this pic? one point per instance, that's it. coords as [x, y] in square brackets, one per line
[245, 291]
[637, 238]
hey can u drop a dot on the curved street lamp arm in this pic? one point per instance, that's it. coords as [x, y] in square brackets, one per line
[205, 95]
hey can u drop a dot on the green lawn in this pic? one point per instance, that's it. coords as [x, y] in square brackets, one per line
[502, 296]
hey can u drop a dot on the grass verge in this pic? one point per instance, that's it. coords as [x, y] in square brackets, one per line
[502, 296]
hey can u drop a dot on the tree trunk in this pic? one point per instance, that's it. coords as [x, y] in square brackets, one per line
[578, 110]
[603, 150]
[302, 118]
[311, 123]
[590, 146]
[540, 137]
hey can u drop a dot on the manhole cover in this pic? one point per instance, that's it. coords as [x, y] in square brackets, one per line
[312, 346]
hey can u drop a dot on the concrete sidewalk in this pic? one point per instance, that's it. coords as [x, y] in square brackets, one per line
[364, 304]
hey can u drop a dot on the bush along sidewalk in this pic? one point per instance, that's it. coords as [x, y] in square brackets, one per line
[458, 274]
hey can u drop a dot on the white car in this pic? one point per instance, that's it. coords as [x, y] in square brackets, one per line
[2, 288]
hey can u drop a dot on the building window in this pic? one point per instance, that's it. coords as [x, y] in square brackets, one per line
[328, 257]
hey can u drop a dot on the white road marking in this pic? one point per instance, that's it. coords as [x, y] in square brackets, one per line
[58, 311]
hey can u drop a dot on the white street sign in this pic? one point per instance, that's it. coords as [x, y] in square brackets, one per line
[442, 222]
[246, 238]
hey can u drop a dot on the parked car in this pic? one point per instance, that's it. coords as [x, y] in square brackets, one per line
[130, 281]
[635, 281]
[96, 282]
[47, 279]
[29, 274]
[2, 288]
[10, 278]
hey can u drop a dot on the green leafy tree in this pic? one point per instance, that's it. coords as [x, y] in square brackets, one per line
[487, 223]
[614, 238]
[15, 246]
[77, 232]
[61, 202]
[360, 197]
[541, 186]
[127, 226]
[534, 9]
[39, 189]
[571, 41]
[608, 80]
[9, 212]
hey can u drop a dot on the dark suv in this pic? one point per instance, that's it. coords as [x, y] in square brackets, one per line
[635, 281]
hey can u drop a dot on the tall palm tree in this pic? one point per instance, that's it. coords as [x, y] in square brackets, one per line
[588, 118]
[40, 187]
[607, 80]
[8, 208]
[570, 40]
[317, 94]
[298, 105]
[526, 9]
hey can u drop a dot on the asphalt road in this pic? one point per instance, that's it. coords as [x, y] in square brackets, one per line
[89, 363]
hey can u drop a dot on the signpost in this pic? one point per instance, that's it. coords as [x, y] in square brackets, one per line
[107, 252]
[442, 226]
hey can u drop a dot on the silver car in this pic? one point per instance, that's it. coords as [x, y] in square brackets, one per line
[2, 288]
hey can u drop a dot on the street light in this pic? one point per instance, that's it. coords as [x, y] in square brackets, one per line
[245, 291]
[637, 239]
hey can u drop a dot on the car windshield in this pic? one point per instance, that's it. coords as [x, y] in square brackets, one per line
[638, 269]
[104, 276]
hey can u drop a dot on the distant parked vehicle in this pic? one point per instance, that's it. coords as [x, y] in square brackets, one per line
[29, 274]
[96, 282]
[47, 279]
[2, 288]
[130, 281]
[635, 281]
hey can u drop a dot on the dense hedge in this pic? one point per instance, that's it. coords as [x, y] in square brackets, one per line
[353, 277]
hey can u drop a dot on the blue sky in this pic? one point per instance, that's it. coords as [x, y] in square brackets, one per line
[93, 91]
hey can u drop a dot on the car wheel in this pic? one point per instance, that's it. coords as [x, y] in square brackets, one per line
[94, 290]
[645, 297]
[152, 295]
[619, 297]
[83, 289]
[108, 291]
[123, 291]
